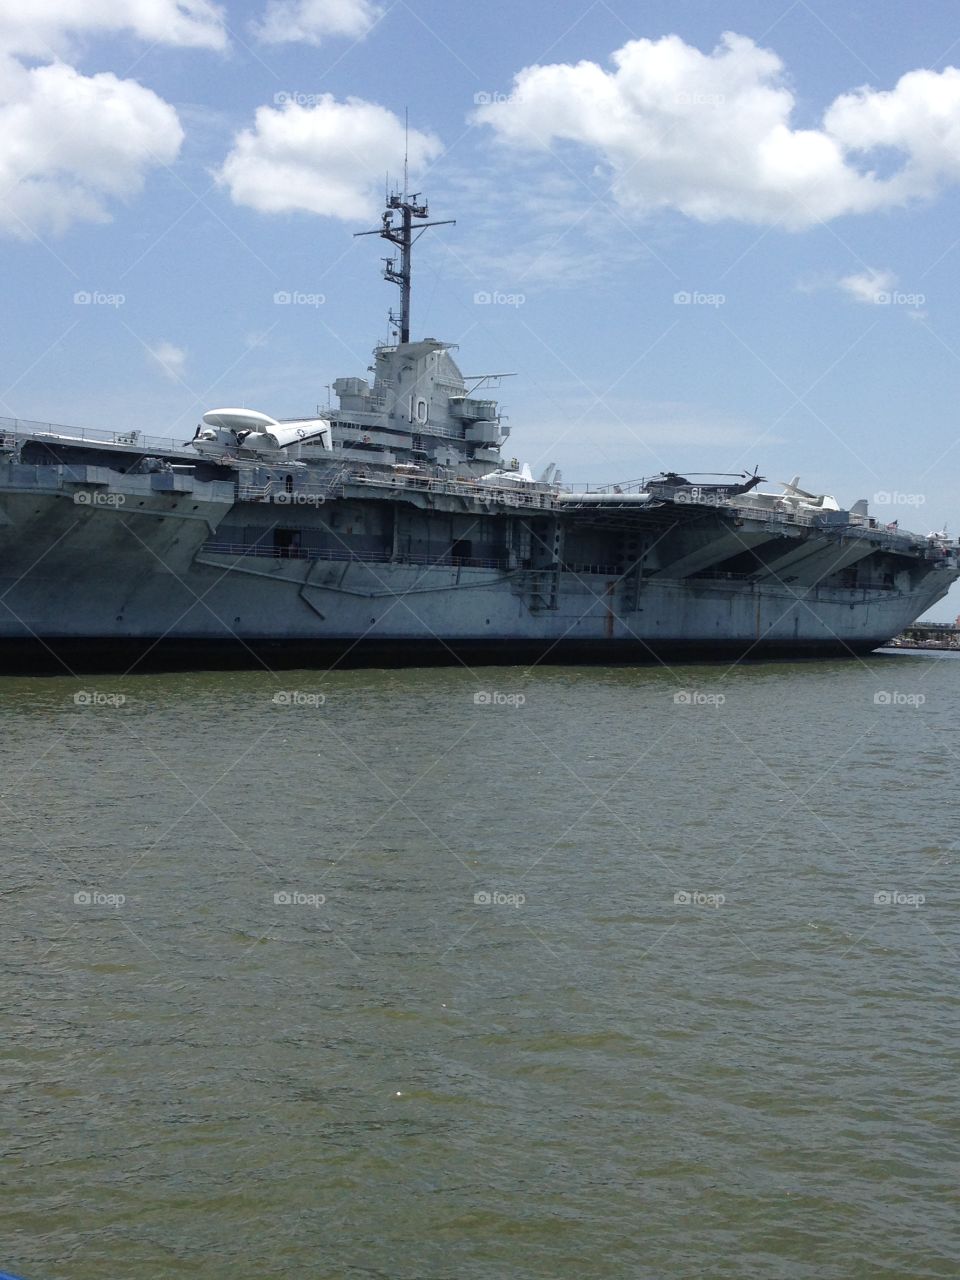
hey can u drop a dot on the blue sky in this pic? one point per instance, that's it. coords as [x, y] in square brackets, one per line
[800, 182]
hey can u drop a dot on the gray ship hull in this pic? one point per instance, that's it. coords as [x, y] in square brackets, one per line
[151, 582]
[391, 529]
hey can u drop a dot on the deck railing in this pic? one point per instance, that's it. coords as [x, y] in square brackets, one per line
[91, 435]
[510, 497]
[269, 551]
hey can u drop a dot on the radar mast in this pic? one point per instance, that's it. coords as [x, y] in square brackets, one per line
[403, 224]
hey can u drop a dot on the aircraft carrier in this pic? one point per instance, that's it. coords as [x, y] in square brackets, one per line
[392, 530]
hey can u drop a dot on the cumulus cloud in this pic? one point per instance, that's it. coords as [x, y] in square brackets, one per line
[870, 285]
[712, 136]
[328, 158]
[171, 359]
[68, 142]
[38, 28]
[312, 21]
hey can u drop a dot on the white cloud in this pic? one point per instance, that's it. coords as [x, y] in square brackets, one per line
[919, 118]
[38, 28]
[868, 286]
[171, 359]
[311, 21]
[711, 135]
[68, 142]
[329, 158]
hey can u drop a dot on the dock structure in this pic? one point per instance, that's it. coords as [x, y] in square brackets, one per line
[929, 635]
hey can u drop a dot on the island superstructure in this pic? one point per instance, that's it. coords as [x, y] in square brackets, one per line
[392, 529]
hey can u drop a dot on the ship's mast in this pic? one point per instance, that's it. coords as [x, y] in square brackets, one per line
[404, 232]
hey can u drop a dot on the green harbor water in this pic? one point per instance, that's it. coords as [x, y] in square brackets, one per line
[552, 973]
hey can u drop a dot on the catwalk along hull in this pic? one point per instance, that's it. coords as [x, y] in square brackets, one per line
[163, 570]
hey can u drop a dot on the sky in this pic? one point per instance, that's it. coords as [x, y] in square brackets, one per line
[703, 236]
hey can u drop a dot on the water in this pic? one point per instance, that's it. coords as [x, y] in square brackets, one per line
[581, 1077]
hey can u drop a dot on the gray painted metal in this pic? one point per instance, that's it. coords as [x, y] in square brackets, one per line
[391, 522]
